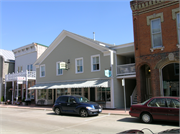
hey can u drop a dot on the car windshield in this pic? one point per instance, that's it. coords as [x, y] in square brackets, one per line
[82, 99]
[144, 102]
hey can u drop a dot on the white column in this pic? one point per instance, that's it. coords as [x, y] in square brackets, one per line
[112, 81]
[5, 92]
[17, 92]
[26, 84]
[12, 92]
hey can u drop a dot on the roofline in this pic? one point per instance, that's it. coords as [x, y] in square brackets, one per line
[58, 40]
[123, 45]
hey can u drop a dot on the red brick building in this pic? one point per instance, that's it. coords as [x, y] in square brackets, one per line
[157, 42]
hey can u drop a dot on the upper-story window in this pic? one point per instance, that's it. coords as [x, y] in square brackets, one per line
[156, 33]
[58, 70]
[30, 67]
[95, 63]
[20, 69]
[79, 65]
[42, 71]
[178, 26]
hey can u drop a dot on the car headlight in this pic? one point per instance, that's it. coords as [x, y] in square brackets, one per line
[89, 108]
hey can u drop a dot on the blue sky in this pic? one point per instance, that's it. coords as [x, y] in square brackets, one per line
[26, 21]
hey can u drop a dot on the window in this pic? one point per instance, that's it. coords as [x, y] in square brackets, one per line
[42, 71]
[86, 92]
[173, 103]
[103, 94]
[42, 94]
[178, 27]
[157, 103]
[50, 94]
[58, 70]
[30, 94]
[79, 65]
[62, 99]
[95, 63]
[62, 92]
[75, 91]
[176, 68]
[156, 33]
[20, 69]
[30, 67]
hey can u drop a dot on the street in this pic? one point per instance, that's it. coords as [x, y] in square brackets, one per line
[28, 121]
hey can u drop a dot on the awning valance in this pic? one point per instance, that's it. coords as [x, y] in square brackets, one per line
[74, 84]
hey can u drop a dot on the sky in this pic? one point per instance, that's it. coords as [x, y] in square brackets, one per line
[23, 22]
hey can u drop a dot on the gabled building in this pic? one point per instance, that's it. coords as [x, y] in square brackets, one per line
[6, 66]
[74, 64]
[157, 42]
[24, 75]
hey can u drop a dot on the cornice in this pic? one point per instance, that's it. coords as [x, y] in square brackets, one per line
[141, 7]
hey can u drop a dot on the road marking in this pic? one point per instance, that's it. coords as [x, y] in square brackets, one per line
[76, 124]
[96, 117]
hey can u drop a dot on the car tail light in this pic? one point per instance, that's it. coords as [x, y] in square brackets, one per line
[130, 108]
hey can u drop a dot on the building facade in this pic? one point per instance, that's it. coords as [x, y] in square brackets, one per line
[157, 42]
[92, 69]
[24, 75]
[7, 65]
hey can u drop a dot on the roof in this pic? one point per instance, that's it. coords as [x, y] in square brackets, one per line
[7, 55]
[101, 46]
[42, 45]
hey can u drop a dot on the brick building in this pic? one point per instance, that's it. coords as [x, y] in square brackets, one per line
[157, 42]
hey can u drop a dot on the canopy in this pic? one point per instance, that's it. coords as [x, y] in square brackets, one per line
[73, 84]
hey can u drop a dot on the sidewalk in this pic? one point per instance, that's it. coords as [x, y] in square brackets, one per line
[49, 108]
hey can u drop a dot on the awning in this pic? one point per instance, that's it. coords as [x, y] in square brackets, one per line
[74, 84]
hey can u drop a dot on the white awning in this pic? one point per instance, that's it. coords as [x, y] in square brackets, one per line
[74, 84]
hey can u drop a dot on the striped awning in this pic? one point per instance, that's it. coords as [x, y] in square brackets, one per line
[74, 84]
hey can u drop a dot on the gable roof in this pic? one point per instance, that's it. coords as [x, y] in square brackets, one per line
[7, 55]
[103, 47]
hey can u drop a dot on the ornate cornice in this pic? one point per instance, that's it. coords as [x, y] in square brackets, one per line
[139, 7]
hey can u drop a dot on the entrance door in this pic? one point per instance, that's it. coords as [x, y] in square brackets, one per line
[92, 94]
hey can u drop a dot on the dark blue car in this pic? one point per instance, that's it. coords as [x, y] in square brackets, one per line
[75, 104]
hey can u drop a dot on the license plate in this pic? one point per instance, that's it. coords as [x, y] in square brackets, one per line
[100, 110]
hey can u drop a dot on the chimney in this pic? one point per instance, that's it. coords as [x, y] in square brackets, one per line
[94, 35]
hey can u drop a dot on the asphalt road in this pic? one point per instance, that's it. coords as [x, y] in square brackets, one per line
[27, 121]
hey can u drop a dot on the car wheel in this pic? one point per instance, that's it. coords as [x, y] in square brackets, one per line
[57, 111]
[146, 118]
[83, 113]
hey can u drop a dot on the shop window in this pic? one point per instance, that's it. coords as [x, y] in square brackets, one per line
[42, 94]
[103, 94]
[176, 68]
[86, 92]
[76, 91]
[50, 94]
[62, 92]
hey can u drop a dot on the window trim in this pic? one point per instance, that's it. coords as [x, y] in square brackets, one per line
[57, 69]
[152, 44]
[76, 65]
[44, 70]
[92, 56]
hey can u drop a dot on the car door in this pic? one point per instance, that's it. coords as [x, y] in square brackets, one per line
[158, 108]
[63, 103]
[173, 109]
[71, 105]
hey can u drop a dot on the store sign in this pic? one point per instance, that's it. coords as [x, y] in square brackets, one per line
[63, 65]
[107, 73]
[20, 80]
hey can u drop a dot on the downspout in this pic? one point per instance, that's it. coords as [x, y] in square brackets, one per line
[112, 75]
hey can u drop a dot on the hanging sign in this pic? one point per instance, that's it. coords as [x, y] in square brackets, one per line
[63, 65]
[107, 73]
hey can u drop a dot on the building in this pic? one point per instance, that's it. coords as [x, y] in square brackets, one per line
[24, 75]
[74, 64]
[6, 66]
[157, 42]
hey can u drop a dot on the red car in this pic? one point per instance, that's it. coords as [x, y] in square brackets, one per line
[157, 108]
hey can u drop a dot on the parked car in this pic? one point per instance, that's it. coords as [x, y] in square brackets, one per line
[157, 108]
[136, 131]
[76, 104]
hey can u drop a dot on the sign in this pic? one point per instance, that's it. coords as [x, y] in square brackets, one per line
[21, 79]
[63, 65]
[107, 73]
[122, 82]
